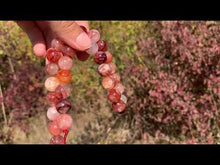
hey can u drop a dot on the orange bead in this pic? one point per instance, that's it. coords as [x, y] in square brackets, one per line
[64, 76]
[108, 83]
[109, 57]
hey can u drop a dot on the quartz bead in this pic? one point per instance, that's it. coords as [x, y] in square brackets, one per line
[109, 57]
[115, 77]
[63, 106]
[64, 121]
[63, 90]
[113, 67]
[108, 83]
[102, 45]
[65, 63]
[82, 56]
[57, 140]
[114, 96]
[104, 70]
[52, 113]
[54, 128]
[94, 35]
[93, 49]
[100, 57]
[54, 97]
[53, 55]
[64, 76]
[119, 107]
[68, 51]
[119, 87]
[57, 44]
[51, 83]
[52, 69]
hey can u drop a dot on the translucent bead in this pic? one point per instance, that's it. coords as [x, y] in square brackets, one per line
[65, 63]
[54, 96]
[54, 128]
[52, 113]
[113, 67]
[104, 70]
[124, 98]
[68, 51]
[57, 140]
[51, 83]
[108, 83]
[64, 76]
[114, 96]
[115, 77]
[109, 57]
[100, 57]
[52, 69]
[57, 44]
[93, 49]
[94, 35]
[102, 45]
[119, 87]
[119, 107]
[63, 106]
[82, 56]
[63, 90]
[53, 55]
[64, 121]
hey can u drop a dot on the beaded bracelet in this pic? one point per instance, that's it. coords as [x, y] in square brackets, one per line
[60, 57]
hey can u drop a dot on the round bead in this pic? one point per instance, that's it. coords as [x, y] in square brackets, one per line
[54, 128]
[119, 88]
[53, 55]
[52, 69]
[115, 77]
[94, 35]
[82, 56]
[119, 107]
[93, 49]
[113, 67]
[57, 140]
[108, 83]
[52, 113]
[68, 51]
[63, 90]
[63, 106]
[124, 98]
[64, 76]
[102, 45]
[57, 44]
[104, 70]
[54, 96]
[51, 83]
[109, 57]
[64, 121]
[114, 96]
[65, 63]
[100, 57]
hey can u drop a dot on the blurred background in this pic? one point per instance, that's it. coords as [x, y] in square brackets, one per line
[170, 69]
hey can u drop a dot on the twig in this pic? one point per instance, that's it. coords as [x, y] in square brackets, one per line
[3, 106]
[12, 67]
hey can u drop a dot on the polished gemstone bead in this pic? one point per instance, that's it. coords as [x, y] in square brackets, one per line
[65, 63]
[52, 69]
[100, 57]
[63, 106]
[102, 45]
[124, 98]
[57, 44]
[114, 96]
[51, 83]
[82, 56]
[64, 76]
[113, 67]
[63, 90]
[68, 51]
[109, 57]
[94, 35]
[108, 83]
[119, 107]
[93, 49]
[57, 140]
[115, 77]
[52, 113]
[54, 97]
[119, 87]
[54, 128]
[64, 121]
[53, 55]
[104, 70]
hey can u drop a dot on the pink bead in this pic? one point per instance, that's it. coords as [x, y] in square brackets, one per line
[57, 44]
[119, 87]
[54, 129]
[104, 69]
[93, 49]
[52, 69]
[94, 35]
[68, 51]
[64, 121]
[51, 83]
[108, 83]
[113, 67]
[65, 63]
[52, 113]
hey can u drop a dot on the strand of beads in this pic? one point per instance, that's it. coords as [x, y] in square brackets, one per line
[60, 61]
[107, 69]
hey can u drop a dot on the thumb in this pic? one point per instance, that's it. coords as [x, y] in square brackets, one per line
[71, 33]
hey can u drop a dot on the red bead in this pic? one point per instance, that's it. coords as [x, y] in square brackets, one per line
[102, 45]
[57, 140]
[116, 77]
[104, 70]
[82, 56]
[54, 97]
[64, 76]
[53, 55]
[100, 57]
[60, 90]
[119, 107]
[63, 106]
[114, 96]
[109, 57]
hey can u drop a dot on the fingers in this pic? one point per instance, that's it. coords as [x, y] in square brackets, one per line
[69, 32]
[83, 23]
[35, 36]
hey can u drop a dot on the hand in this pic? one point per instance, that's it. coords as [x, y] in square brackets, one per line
[41, 33]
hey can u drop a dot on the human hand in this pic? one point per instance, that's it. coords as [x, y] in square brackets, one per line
[41, 33]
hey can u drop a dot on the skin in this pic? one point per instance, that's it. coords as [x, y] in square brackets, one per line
[41, 34]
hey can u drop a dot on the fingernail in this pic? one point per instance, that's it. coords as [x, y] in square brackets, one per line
[83, 41]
